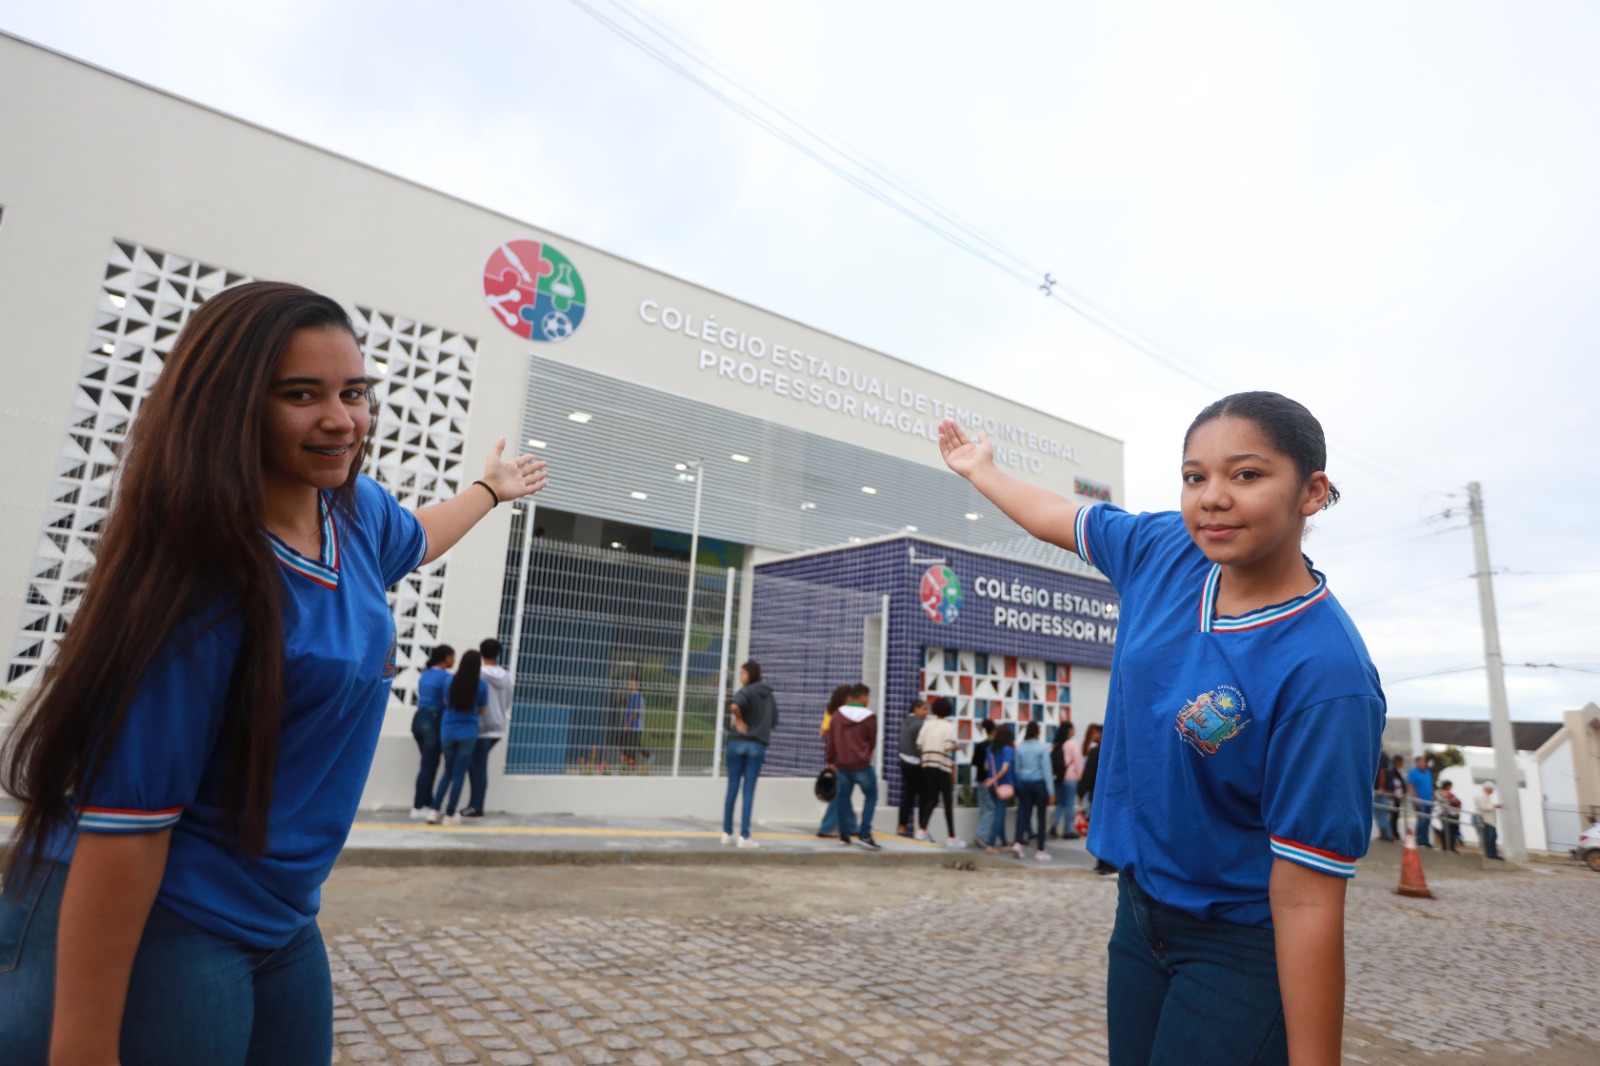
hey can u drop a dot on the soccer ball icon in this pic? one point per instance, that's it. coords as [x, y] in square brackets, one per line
[556, 326]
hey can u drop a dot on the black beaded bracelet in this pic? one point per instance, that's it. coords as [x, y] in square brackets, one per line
[495, 496]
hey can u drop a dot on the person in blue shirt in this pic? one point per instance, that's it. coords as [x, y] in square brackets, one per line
[190, 763]
[458, 734]
[433, 687]
[1000, 781]
[1242, 725]
[1419, 780]
[1035, 789]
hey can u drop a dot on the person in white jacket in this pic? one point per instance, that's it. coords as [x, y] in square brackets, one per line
[492, 726]
[1488, 805]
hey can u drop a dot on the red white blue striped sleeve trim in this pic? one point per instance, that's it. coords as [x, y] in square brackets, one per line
[1317, 859]
[1080, 529]
[113, 820]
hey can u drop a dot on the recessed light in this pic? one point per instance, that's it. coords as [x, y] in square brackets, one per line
[808, 506]
[681, 466]
[640, 495]
[579, 416]
[869, 490]
[533, 443]
[616, 544]
[972, 516]
[911, 529]
[736, 457]
[855, 540]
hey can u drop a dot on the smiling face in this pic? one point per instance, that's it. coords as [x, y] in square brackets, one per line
[316, 415]
[1244, 503]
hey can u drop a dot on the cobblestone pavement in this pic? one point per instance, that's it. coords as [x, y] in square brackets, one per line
[653, 966]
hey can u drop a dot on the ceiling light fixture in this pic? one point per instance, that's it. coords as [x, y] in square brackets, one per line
[869, 490]
[736, 457]
[532, 443]
[640, 495]
[972, 516]
[579, 416]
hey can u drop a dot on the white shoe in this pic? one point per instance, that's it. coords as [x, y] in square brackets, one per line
[727, 838]
[746, 842]
[1017, 848]
[1042, 856]
[922, 835]
[955, 842]
[418, 813]
[452, 819]
[433, 817]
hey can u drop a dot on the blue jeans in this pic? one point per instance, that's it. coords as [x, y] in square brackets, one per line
[1182, 990]
[1066, 800]
[478, 772]
[744, 766]
[830, 819]
[1491, 838]
[194, 997]
[1382, 809]
[1033, 808]
[992, 819]
[457, 759]
[1424, 813]
[867, 779]
[425, 729]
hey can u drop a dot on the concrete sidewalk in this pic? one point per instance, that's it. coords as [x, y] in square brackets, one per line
[384, 838]
[392, 838]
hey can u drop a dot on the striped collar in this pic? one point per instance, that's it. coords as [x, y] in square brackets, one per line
[324, 571]
[1265, 616]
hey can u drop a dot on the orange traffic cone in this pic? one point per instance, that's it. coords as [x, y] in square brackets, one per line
[1412, 883]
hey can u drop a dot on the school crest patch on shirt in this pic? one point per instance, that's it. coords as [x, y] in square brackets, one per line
[1212, 718]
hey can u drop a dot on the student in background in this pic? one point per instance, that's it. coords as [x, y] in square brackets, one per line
[433, 687]
[852, 742]
[984, 794]
[1066, 767]
[910, 767]
[830, 816]
[937, 742]
[492, 727]
[1035, 789]
[755, 713]
[458, 732]
[1000, 781]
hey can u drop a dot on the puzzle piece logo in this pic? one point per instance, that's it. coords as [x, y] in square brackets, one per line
[940, 594]
[534, 290]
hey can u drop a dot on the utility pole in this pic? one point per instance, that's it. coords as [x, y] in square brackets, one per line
[1512, 844]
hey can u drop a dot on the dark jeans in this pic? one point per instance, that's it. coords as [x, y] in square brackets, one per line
[910, 792]
[867, 779]
[937, 785]
[1491, 837]
[425, 729]
[478, 772]
[1033, 805]
[1182, 990]
[744, 766]
[194, 997]
[457, 759]
[1066, 800]
[1424, 812]
[830, 819]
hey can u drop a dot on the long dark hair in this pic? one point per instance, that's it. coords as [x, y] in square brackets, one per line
[836, 700]
[184, 543]
[464, 686]
[1004, 737]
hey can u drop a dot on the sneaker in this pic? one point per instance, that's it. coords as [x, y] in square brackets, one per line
[747, 842]
[433, 817]
[922, 835]
[471, 812]
[1104, 868]
[1016, 849]
[824, 836]
[869, 843]
[451, 819]
[1041, 856]
[955, 842]
[418, 813]
[727, 838]
[845, 841]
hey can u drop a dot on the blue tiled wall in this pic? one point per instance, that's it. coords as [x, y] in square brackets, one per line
[808, 641]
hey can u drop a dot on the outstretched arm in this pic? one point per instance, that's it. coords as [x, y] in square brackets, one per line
[1044, 514]
[447, 522]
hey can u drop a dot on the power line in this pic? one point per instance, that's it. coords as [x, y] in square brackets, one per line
[869, 177]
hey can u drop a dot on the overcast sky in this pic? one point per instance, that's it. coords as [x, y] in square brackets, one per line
[1389, 212]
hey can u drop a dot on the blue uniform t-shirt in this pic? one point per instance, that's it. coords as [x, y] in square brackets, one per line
[463, 725]
[1228, 741]
[165, 768]
[433, 688]
[1421, 782]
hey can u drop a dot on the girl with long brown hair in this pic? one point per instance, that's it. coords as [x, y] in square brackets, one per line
[191, 762]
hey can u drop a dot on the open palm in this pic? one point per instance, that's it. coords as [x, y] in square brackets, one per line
[961, 453]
